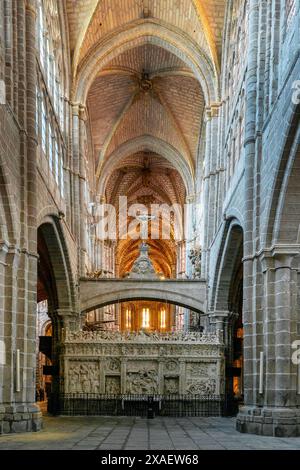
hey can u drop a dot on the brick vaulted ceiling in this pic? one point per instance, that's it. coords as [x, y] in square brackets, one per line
[144, 93]
[146, 90]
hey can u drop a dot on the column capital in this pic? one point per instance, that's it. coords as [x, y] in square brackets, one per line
[191, 198]
[219, 314]
[100, 198]
[212, 110]
[279, 256]
[79, 110]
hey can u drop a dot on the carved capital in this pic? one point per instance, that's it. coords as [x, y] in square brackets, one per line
[212, 111]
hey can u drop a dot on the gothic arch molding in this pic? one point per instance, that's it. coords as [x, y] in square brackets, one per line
[136, 295]
[152, 144]
[281, 210]
[52, 233]
[151, 32]
[230, 253]
[202, 15]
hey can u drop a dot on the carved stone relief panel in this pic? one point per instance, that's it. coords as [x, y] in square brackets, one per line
[171, 385]
[112, 365]
[142, 377]
[143, 365]
[83, 377]
[201, 369]
[171, 366]
[112, 385]
[205, 386]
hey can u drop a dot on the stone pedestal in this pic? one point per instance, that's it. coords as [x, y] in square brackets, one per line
[277, 422]
[20, 418]
[272, 400]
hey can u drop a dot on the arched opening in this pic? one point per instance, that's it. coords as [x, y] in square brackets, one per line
[229, 301]
[151, 316]
[46, 296]
[54, 294]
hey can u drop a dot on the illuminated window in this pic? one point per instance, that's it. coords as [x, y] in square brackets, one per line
[163, 319]
[128, 318]
[146, 318]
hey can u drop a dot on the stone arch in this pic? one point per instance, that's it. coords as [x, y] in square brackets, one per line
[153, 32]
[227, 265]
[283, 217]
[151, 144]
[155, 297]
[98, 294]
[61, 288]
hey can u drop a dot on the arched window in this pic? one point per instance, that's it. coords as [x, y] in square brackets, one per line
[49, 45]
[51, 79]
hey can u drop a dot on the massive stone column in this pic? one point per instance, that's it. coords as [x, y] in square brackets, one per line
[19, 258]
[274, 405]
[78, 128]
[210, 197]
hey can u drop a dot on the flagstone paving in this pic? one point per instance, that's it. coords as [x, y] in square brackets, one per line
[129, 433]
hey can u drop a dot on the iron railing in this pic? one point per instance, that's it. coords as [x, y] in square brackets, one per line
[88, 404]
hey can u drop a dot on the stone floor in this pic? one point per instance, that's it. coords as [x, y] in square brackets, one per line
[126, 433]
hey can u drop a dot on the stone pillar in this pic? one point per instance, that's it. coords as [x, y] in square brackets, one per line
[19, 412]
[275, 411]
[210, 182]
[79, 118]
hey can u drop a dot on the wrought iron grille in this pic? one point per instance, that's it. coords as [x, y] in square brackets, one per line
[89, 404]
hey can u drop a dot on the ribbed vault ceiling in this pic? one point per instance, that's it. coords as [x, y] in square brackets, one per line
[143, 96]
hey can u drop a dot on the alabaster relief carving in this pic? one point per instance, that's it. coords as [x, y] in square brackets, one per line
[142, 337]
[205, 386]
[171, 385]
[171, 366]
[112, 365]
[143, 364]
[142, 382]
[83, 378]
[199, 369]
[112, 385]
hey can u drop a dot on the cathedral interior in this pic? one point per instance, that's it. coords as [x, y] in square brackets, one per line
[149, 209]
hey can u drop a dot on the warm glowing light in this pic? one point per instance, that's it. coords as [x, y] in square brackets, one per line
[128, 318]
[146, 318]
[163, 318]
